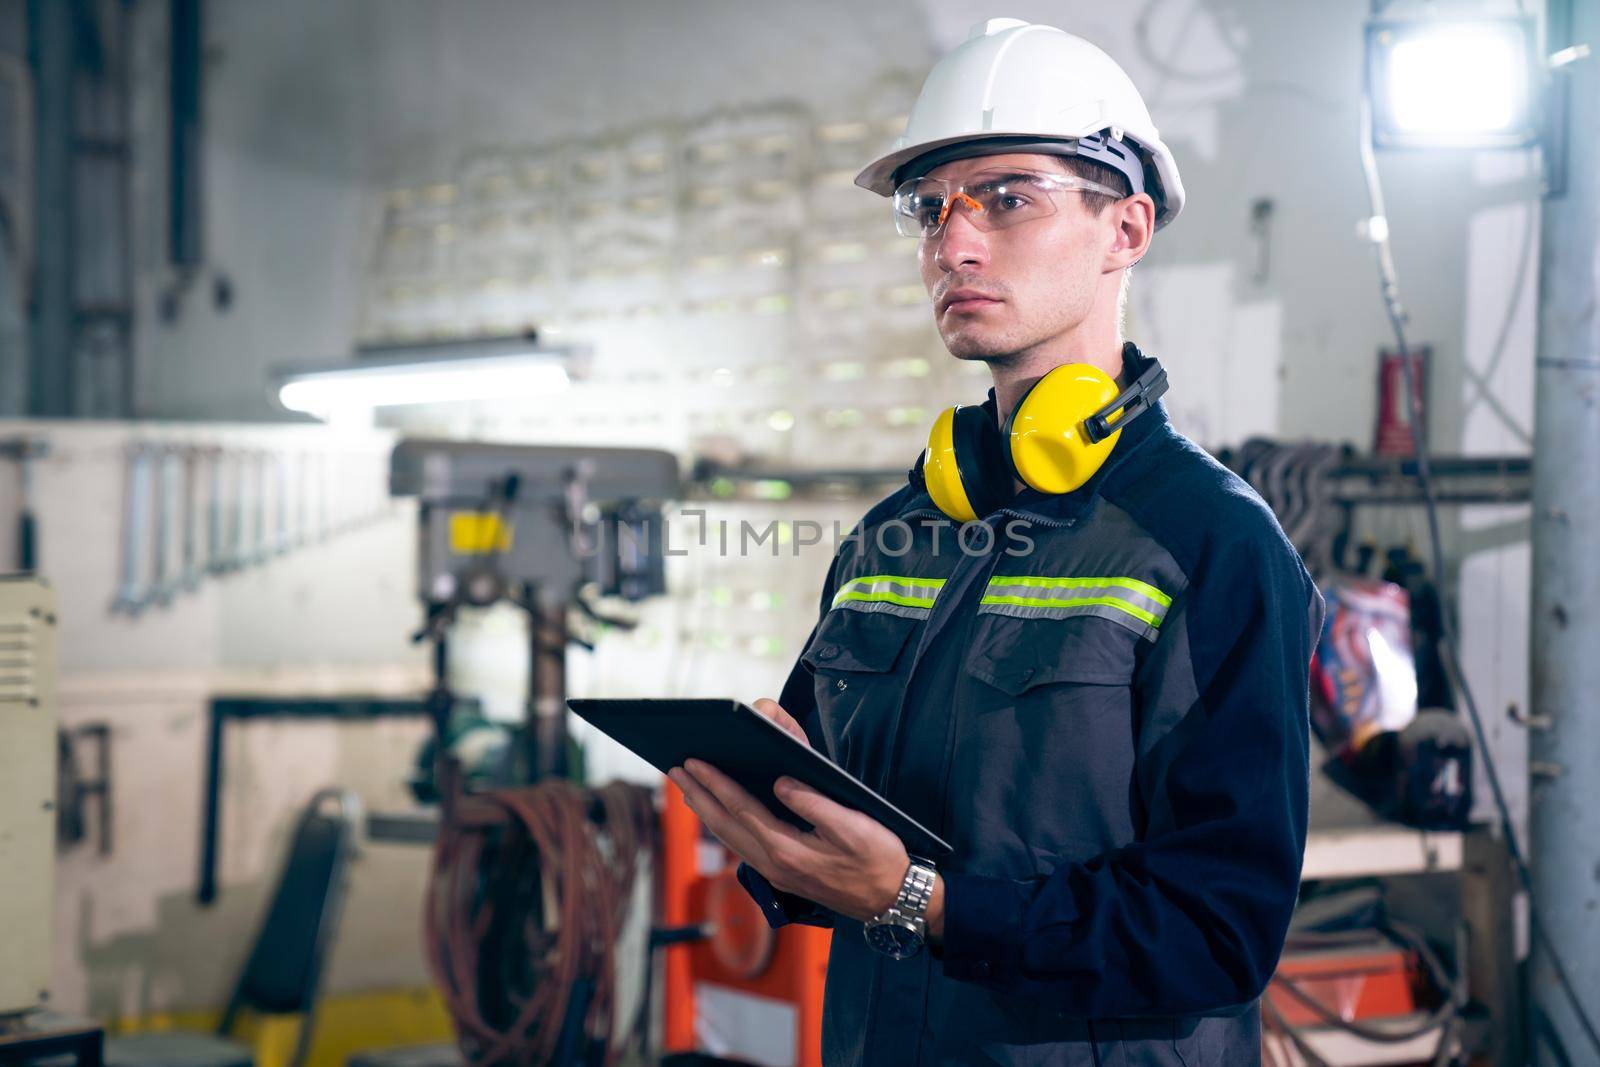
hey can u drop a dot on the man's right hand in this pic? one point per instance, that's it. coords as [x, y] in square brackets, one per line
[773, 711]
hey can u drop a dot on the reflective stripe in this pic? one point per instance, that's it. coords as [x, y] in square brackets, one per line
[1139, 590]
[1137, 605]
[892, 593]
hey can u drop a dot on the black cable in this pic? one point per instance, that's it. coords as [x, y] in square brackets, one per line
[1390, 288]
[1544, 1029]
[1434, 1020]
[1303, 1047]
[1381, 1035]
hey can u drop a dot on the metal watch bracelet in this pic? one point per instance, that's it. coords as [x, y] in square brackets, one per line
[916, 892]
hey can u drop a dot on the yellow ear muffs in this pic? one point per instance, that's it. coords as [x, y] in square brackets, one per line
[1057, 436]
[964, 465]
[1045, 437]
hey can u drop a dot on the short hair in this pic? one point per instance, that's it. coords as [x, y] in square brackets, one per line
[1089, 170]
[1095, 203]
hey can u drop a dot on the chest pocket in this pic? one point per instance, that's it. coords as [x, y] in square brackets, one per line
[857, 660]
[1035, 630]
[1045, 741]
[1016, 655]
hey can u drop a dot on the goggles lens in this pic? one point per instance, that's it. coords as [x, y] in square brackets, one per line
[992, 201]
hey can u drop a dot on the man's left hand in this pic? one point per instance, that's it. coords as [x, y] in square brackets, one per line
[849, 863]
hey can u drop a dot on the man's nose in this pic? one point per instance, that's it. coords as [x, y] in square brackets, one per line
[960, 243]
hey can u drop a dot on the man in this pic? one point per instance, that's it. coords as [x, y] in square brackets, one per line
[1103, 705]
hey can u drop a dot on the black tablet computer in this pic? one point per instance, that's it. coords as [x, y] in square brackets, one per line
[752, 750]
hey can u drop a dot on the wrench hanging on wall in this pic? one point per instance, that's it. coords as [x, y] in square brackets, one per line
[189, 578]
[132, 593]
[163, 575]
[239, 525]
[216, 513]
[193, 510]
[259, 548]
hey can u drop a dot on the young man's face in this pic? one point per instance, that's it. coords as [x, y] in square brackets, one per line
[1029, 283]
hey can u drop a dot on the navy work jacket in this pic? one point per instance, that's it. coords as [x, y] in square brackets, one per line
[1104, 710]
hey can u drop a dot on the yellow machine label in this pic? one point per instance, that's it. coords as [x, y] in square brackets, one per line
[478, 533]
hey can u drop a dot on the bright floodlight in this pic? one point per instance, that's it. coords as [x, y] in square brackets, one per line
[1451, 84]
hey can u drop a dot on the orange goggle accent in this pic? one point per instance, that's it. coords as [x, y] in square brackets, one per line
[949, 205]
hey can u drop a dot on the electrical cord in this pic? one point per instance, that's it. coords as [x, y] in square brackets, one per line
[1436, 1019]
[1277, 1022]
[1390, 288]
[524, 912]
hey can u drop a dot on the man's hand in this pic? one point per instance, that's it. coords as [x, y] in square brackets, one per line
[848, 863]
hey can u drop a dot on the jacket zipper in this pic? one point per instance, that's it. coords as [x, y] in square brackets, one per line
[1054, 524]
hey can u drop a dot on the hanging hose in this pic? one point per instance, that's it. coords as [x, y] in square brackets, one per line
[523, 914]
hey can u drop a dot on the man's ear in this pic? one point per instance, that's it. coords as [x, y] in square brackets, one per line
[1135, 221]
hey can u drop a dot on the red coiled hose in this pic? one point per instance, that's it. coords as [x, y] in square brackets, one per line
[529, 892]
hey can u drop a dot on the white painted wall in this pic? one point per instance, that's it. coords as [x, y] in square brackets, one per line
[130, 938]
[332, 616]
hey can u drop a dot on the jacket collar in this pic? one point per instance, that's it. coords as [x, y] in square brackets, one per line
[1066, 507]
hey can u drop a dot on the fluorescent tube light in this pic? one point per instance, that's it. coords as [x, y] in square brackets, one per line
[507, 369]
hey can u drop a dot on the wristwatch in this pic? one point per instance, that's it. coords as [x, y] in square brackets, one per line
[900, 931]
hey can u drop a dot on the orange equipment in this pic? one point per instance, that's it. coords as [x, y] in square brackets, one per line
[748, 991]
[1354, 982]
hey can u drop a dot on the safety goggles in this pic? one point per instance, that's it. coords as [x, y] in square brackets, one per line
[993, 200]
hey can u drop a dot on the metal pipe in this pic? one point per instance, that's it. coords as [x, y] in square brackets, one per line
[1357, 479]
[1565, 631]
[13, 324]
[52, 355]
[545, 711]
[223, 709]
[185, 236]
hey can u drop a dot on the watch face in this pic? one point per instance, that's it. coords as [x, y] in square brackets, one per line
[893, 941]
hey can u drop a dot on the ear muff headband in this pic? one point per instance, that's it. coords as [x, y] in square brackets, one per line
[980, 455]
[1133, 401]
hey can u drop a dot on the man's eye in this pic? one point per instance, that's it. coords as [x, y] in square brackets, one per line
[929, 210]
[1010, 201]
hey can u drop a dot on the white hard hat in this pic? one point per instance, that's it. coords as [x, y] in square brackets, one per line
[1013, 86]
